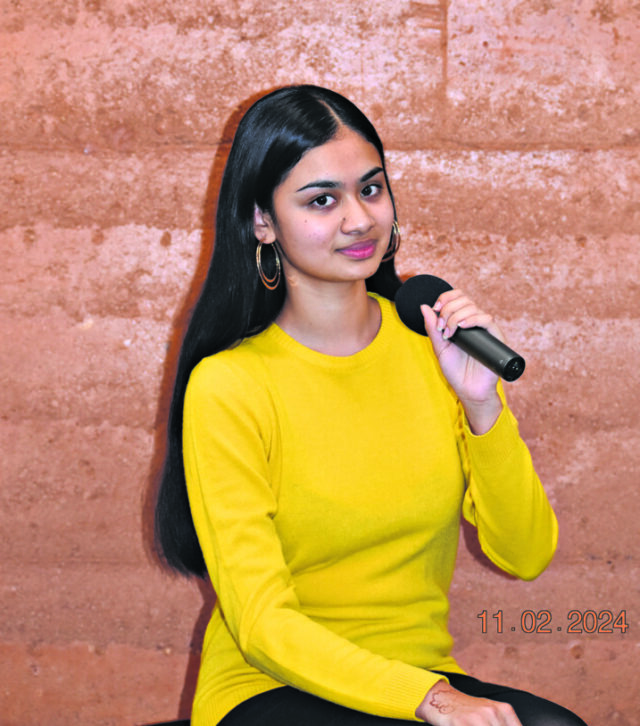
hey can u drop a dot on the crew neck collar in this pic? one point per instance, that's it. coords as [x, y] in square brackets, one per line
[368, 353]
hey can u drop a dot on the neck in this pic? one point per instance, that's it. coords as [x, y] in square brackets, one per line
[336, 320]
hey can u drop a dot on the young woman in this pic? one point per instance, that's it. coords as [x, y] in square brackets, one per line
[320, 453]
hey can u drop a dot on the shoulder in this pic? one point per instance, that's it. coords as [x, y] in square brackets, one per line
[236, 372]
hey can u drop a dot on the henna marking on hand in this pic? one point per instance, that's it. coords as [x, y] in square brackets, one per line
[441, 707]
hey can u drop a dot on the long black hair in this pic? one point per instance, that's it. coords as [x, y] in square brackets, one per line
[271, 138]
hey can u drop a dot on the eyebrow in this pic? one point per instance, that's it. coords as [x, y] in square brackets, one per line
[326, 184]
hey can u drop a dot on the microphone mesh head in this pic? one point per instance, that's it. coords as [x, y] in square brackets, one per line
[416, 291]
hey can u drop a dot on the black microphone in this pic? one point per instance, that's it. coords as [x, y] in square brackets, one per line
[476, 342]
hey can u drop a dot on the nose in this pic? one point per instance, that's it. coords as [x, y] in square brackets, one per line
[357, 219]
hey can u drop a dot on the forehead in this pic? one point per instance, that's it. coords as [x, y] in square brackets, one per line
[346, 156]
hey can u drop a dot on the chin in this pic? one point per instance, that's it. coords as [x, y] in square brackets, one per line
[363, 272]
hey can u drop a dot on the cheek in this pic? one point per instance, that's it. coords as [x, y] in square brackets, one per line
[310, 232]
[317, 231]
[389, 213]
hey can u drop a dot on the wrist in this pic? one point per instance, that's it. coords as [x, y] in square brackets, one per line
[482, 415]
[434, 704]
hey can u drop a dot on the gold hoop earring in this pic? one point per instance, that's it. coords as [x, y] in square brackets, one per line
[394, 242]
[269, 282]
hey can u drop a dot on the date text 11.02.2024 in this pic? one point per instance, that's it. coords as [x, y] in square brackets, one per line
[541, 621]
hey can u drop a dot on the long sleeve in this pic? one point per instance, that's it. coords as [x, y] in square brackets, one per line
[505, 500]
[231, 465]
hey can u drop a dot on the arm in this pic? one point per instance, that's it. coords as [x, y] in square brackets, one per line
[517, 528]
[232, 466]
[505, 500]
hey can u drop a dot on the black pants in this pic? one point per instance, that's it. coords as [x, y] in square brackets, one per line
[287, 706]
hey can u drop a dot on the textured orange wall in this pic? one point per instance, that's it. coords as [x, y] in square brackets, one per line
[513, 131]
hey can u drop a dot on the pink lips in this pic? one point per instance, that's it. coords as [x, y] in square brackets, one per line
[360, 250]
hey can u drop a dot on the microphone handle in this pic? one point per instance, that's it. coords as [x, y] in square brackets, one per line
[489, 351]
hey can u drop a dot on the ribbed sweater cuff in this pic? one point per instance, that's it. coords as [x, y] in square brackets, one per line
[403, 691]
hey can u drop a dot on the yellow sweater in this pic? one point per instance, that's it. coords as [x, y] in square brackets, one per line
[326, 493]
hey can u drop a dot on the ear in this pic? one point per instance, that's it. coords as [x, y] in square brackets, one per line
[263, 226]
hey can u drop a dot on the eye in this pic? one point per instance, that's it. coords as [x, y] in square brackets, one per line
[323, 201]
[371, 190]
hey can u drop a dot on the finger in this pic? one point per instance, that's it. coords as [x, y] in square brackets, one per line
[438, 343]
[455, 310]
[466, 315]
[474, 319]
[448, 297]
[498, 713]
[508, 715]
[431, 324]
[480, 319]
[452, 303]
